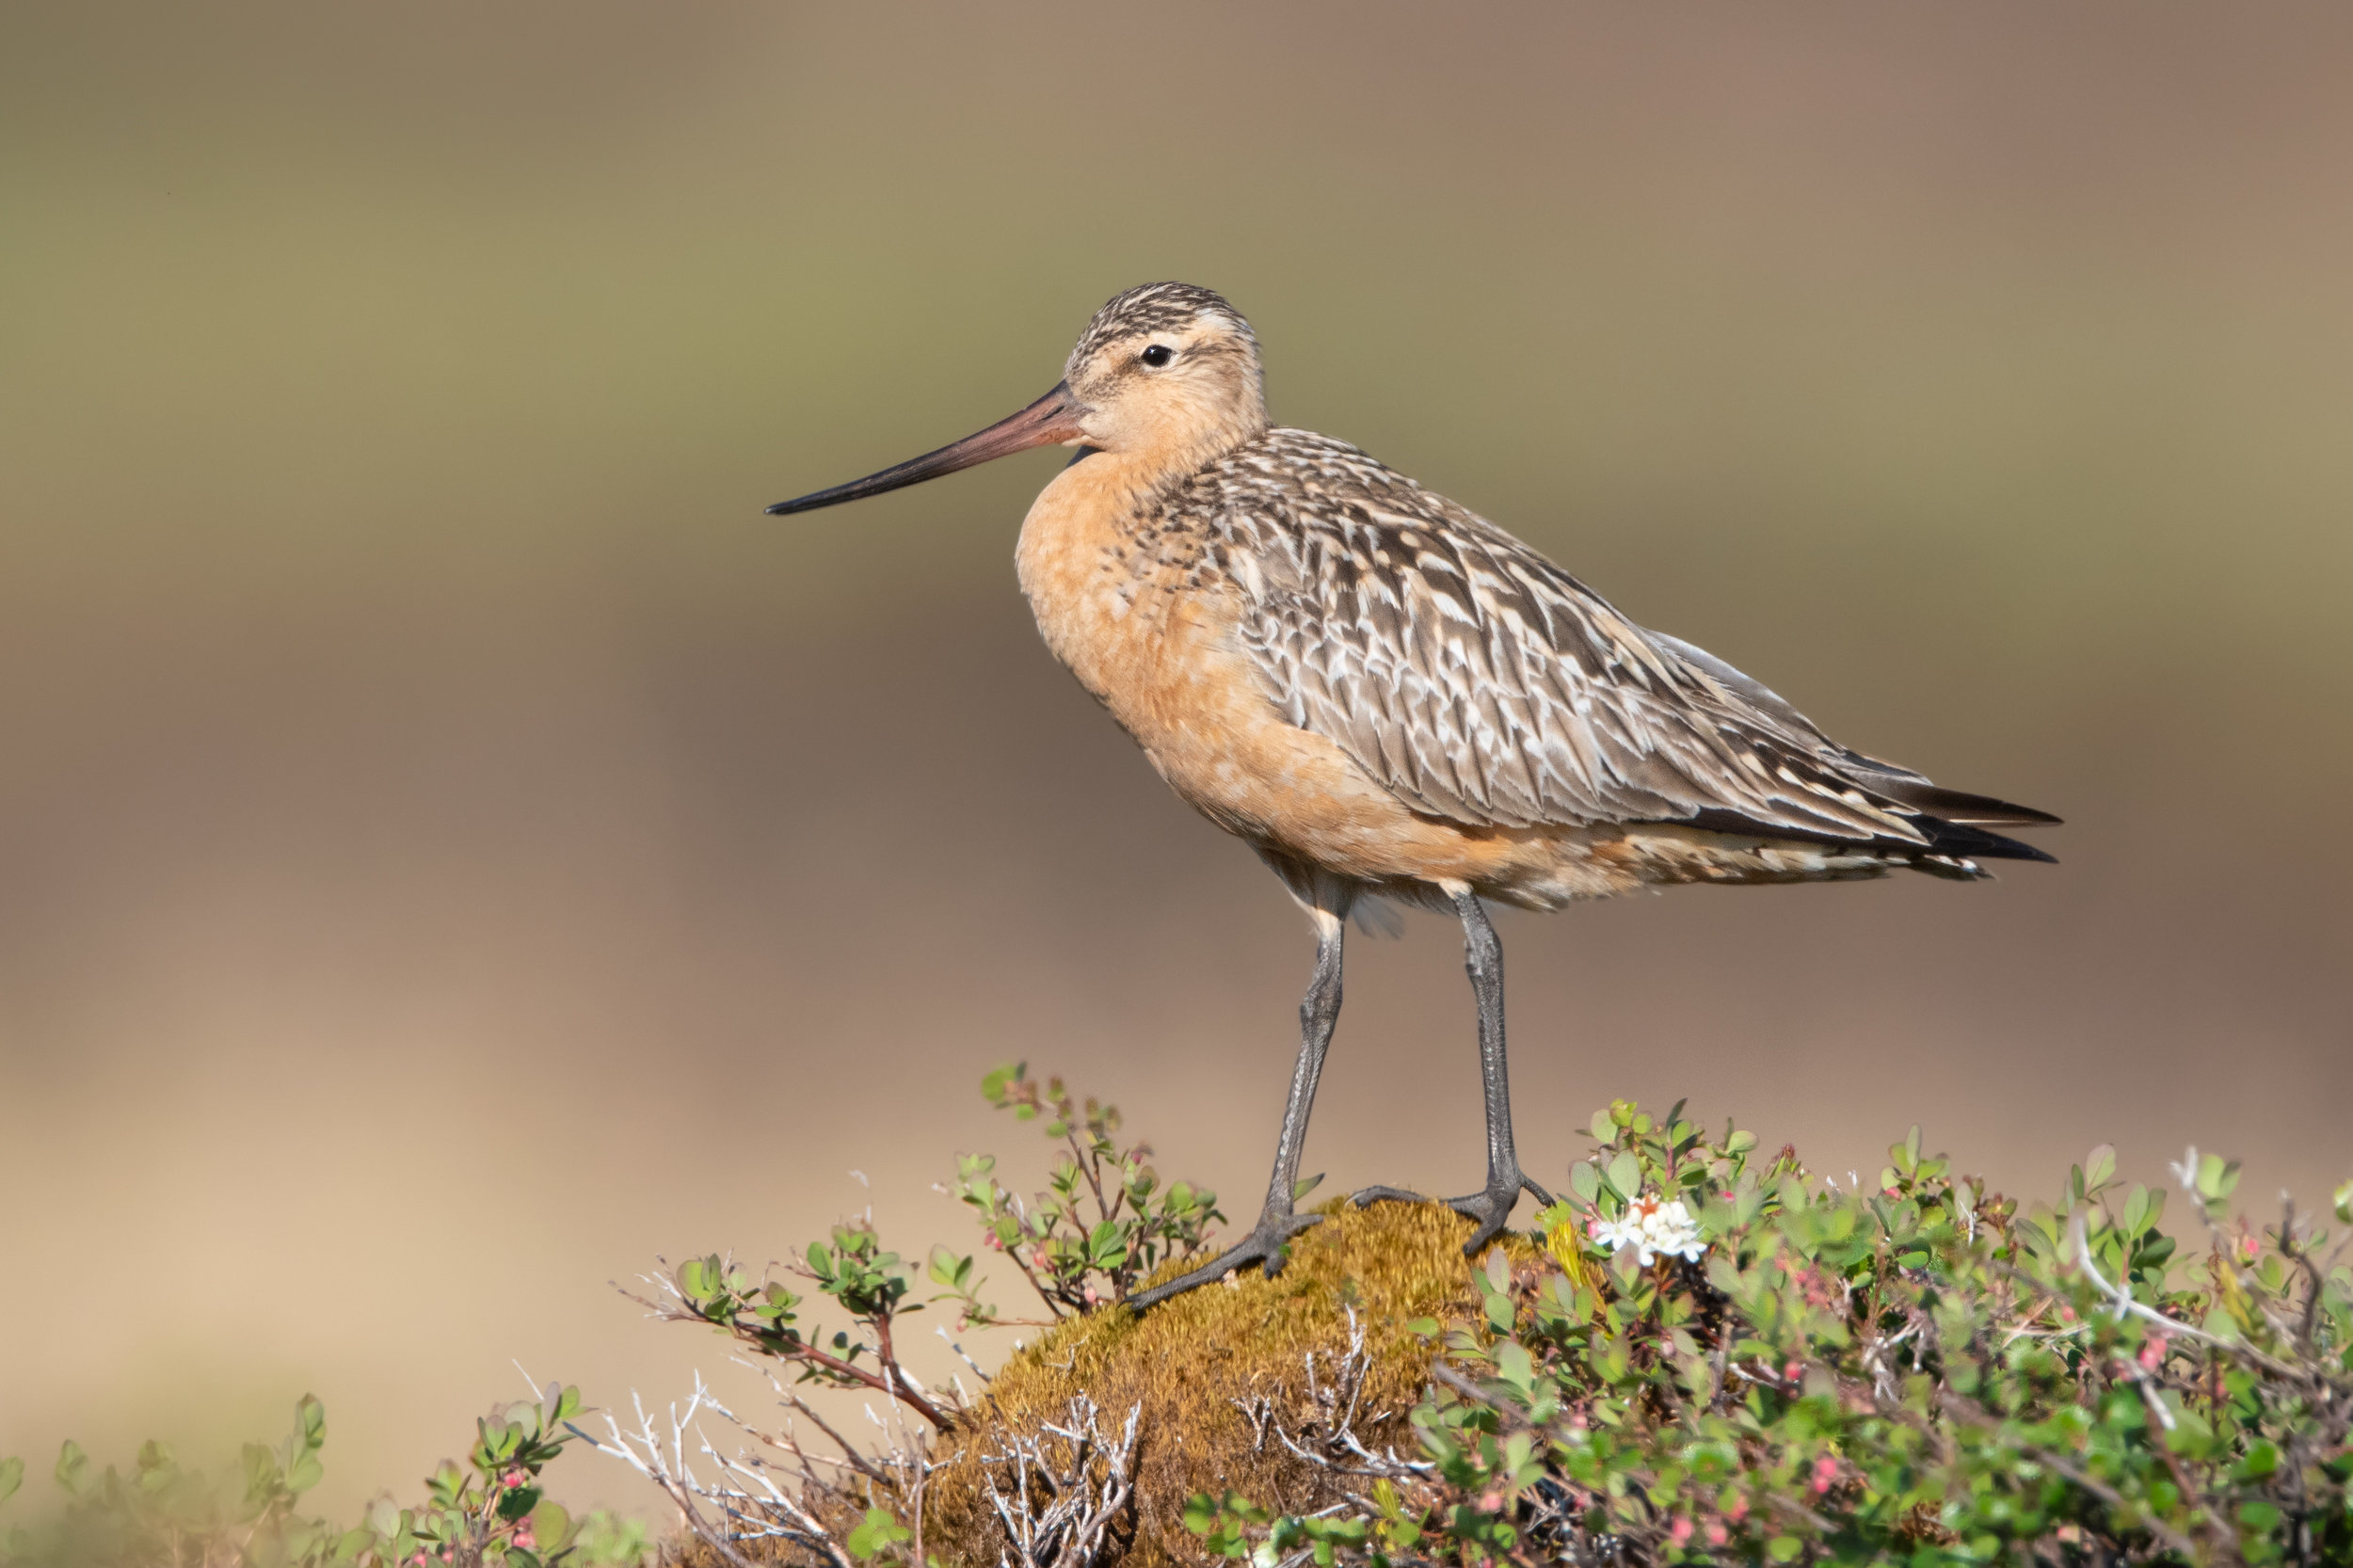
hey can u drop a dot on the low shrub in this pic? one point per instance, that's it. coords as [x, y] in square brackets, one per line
[1703, 1354]
[1706, 1354]
[489, 1511]
[1769, 1368]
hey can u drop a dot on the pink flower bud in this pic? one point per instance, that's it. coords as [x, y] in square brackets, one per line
[1680, 1531]
[1738, 1510]
[1717, 1534]
[1793, 1371]
[1491, 1502]
[2250, 1246]
[2152, 1352]
[1825, 1472]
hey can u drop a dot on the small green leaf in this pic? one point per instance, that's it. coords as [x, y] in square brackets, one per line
[878, 1530]
[553, 1526]
[1514, 1367]
[2218, 1178]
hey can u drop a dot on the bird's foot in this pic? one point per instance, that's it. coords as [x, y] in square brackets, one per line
[1268, 1243]
[1491, 1208]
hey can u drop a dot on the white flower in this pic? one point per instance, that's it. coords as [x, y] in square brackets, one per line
[1654, 1229]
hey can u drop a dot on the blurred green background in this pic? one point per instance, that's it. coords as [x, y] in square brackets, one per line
[452, 846]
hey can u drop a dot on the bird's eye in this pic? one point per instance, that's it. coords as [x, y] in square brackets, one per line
[1157, 355]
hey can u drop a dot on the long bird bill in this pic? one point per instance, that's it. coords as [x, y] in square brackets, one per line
[1050, 421]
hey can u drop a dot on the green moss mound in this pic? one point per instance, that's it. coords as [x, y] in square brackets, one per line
[1193, 1362]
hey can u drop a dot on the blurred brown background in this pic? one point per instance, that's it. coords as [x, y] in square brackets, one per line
[452, 846]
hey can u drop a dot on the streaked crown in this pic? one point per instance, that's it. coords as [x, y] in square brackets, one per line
[1157, 308]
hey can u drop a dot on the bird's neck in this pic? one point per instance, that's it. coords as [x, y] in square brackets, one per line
[1171, 453]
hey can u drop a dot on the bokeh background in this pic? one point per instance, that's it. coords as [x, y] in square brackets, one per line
[453, 847]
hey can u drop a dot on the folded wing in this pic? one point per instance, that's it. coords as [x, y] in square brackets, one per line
[1482, 685]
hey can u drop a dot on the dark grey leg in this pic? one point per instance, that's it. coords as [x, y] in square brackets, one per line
[1317, 1013]
[1482, 956]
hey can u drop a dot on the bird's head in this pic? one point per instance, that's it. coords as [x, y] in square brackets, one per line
[1166, 375]
[1170, 370]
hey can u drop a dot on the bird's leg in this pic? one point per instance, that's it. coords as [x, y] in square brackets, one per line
[1482, 956]
[1277, 1221]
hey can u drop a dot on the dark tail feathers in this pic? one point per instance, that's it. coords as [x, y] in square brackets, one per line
[1965, 841]
[1963, 809]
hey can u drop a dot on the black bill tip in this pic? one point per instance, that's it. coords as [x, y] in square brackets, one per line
[1050, 420]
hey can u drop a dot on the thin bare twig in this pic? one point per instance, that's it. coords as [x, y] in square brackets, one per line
[893, 1381]
[2125, 1305]
[1088, 1481]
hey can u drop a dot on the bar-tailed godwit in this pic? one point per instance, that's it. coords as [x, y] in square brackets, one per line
[1387, 696]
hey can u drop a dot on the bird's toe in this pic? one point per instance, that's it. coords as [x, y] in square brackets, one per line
[1492, 1210]
[1267, 1244]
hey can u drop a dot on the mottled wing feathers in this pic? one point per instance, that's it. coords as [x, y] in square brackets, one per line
[1897, 783]
[1482, 685]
